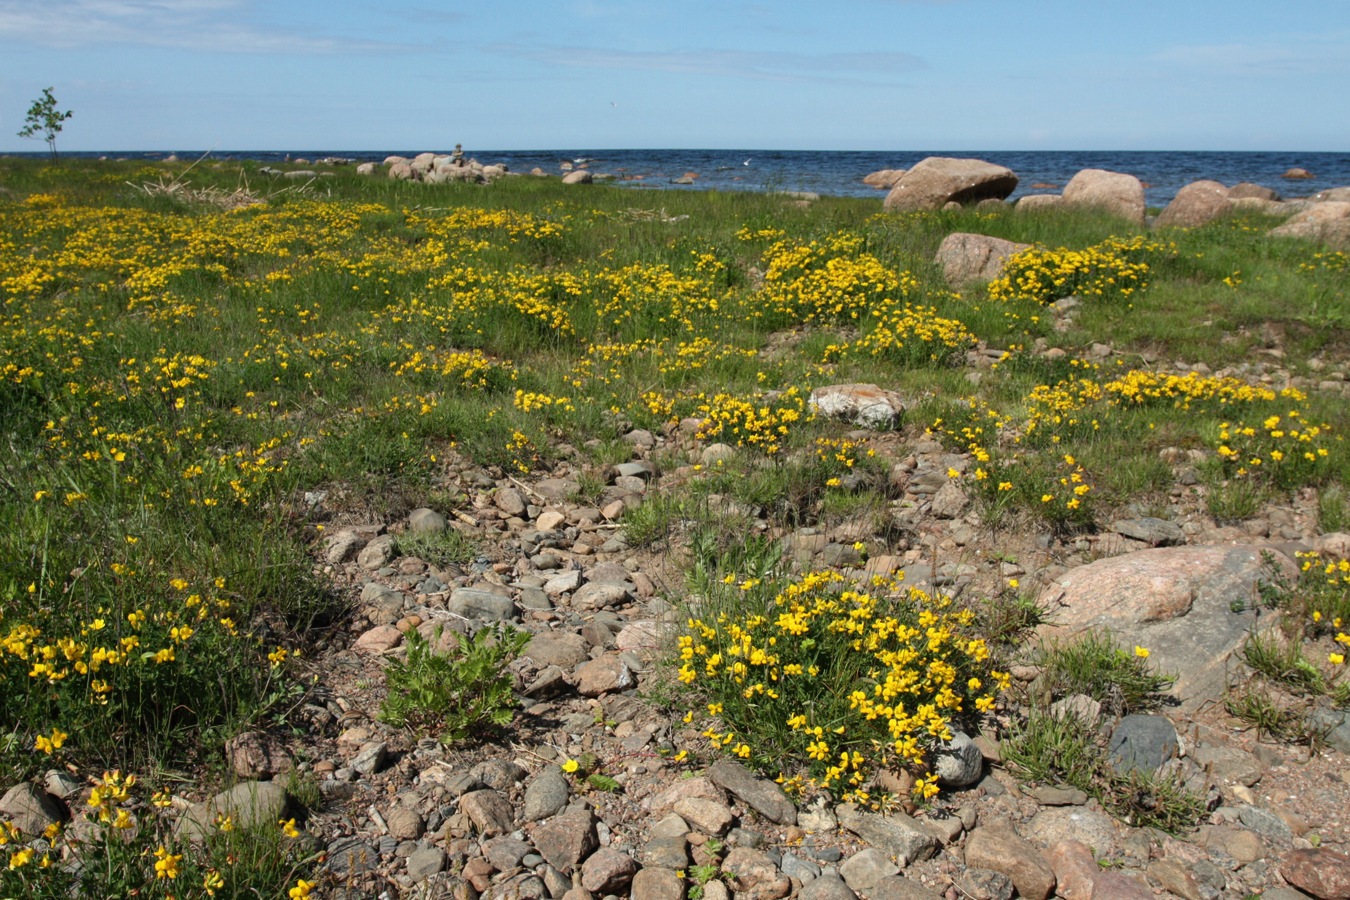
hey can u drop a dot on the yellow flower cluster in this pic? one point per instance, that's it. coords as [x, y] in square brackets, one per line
[1111, 270]
[777, 681]
[827, 281]
[913, 335]
[762, 423]
[1286, 450]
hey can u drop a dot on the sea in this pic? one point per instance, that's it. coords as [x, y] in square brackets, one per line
[840, 172]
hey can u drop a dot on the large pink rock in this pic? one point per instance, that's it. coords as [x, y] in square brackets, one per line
[1323, 873]
[967, 258]
[883, 178]
[1191, 607]
[1196, 204]
[1328, 222]
[938, 180]
[1114, 192]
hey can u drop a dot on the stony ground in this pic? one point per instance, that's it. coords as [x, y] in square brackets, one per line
[401, 817]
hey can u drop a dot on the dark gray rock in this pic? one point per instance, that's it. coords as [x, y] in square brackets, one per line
[486, 606]
[546, 795]
[1142, 742]
[760, 794]
[959, 762]
[896, 834]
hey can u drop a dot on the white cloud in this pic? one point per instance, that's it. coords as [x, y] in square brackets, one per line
[202, 25]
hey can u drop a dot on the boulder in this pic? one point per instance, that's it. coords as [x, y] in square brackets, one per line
[1114, 192]
[862, 404]
[1328, 222]
[580, 176]
[883, 178]
[1003, 850]
[1196, 204]
[1336, 194]
[1246, 190]
[1191, 607]
[1297, 174]
[967, 258]
[1033, 202]
[938, 180]
[366, 168]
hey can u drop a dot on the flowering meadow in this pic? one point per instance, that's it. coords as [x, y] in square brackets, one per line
[178, 372]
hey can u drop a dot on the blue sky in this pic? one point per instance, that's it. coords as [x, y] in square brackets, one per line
[781, 74]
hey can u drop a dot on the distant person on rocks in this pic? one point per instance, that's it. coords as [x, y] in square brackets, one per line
[457, 157]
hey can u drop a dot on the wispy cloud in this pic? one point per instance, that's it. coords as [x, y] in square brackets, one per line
[221, 26]
[1303, 55]
[768, 65]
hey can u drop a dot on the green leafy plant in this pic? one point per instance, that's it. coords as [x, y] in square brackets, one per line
[456, 697]
[1093, 665]
[44, 120]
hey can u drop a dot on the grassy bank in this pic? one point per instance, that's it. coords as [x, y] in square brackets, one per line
[185, 358]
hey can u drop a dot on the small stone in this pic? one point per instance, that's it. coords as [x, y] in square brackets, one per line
[826, 887]
[426, 521]
[486, 606]
[563, 583]
[404, 824]
[350, 857]
[600, 595]
[1267, 824]
[546, 795]
[425, 862]
[1119, 886]
[372, 759]
[666, 851]
[896, 834]
[959, 762]
[250, 804]
[378, 640]
[1173, 877]
[1076, 870]
[489, 811]
[1003, 850]
[608, 871]
[1153, 531]
[256, 754]
[1058, 796]
[984, 884]
[566, 839]
[657, 884]
[754, 876]
[1142, 742]
[509, 501]
[505, 852]
[556, 648]
[378, 553]
[760, 794]
[864, 869]
[550, 520]
[708, 816]
[606, 674]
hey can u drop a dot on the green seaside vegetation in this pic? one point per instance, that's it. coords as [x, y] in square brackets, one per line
[186, 352]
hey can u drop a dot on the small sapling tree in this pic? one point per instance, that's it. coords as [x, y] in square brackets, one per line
[44, 119]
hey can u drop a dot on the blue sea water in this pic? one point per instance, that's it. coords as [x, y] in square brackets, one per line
[840, 173]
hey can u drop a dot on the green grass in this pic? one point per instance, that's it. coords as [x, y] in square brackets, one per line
[179, 367]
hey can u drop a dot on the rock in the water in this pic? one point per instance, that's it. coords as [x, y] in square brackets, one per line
[862, 404]
[580, 176]
[1003, 850]
[1115, 192]
[1297, 174]
[1196, 204]
[967, 258]
[1177, 602]
[938, 180]
[1246, 190]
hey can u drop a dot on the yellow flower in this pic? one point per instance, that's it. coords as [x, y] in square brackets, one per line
[288, 828]
[301, 889]
[167, 865]
[570, 766]
[1336, 659]
[1141, 652]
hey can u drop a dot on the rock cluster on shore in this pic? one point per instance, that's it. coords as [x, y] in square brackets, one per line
[938, 183]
